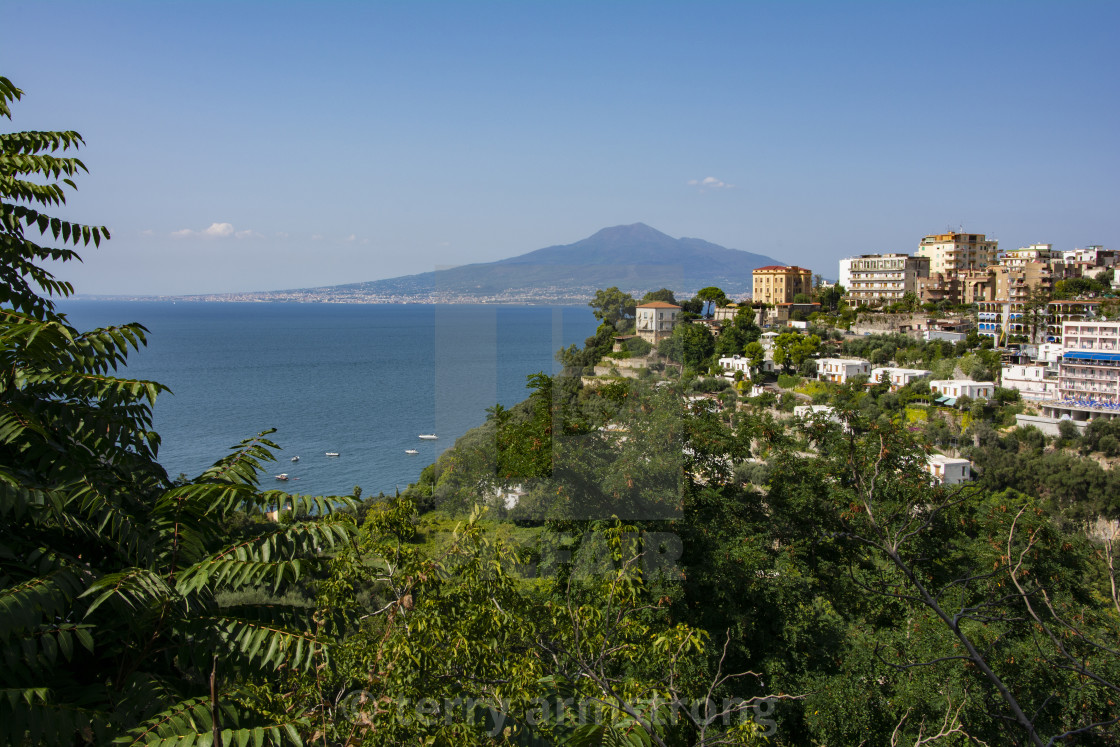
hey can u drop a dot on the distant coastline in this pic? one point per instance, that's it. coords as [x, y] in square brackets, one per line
[633, 258]
[313, 296]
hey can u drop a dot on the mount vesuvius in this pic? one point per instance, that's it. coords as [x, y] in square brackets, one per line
[636, 258]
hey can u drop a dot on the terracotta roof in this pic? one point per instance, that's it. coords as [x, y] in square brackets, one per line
[657, 305]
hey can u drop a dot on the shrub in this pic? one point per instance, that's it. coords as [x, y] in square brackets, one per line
[786, 381]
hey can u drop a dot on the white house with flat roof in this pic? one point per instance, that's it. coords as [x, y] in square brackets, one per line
[948, 470]
[898, 377]
[963, 388]
[839, 370]
[1032, 380]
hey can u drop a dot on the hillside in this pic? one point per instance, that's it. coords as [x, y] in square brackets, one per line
[635, 258]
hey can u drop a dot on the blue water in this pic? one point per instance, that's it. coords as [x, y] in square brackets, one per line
[362, 380]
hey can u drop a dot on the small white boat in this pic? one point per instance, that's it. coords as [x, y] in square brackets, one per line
[282, 476]
[295, 459]
[332, 453]
[429, 436]
[411, 451]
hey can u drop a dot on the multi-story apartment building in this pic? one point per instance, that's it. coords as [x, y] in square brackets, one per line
[1060, 312]
[1090, 257]
[958, 287]
[775, 284]
[1018, 305]
[1033, 253]
[883, 278]
[953, 251]
[1089, 371]
[654, 321]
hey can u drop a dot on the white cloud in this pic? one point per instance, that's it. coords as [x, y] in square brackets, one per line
[709, 182]
[218, 230]
[247, 235]
[215, 231]
[351, 238]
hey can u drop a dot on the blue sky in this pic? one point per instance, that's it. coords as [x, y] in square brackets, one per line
[240, 146]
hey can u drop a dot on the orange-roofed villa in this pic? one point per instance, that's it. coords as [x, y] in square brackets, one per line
[654, 321]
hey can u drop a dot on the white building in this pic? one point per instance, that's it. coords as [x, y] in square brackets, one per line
[1026, 255]
[898, 377]
[654, 321]
[963, 388]
[882, 278]
[948, 470]
[1090, 256]
[845, 278]
[1089, 372]
[1090, 366]
[1031, 381]
[826, 412]
[839, 370]
[736, 363]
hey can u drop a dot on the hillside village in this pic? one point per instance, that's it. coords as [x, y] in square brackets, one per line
[846, 484]
[958, 328]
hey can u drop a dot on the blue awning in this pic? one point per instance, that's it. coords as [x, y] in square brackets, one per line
[950, 401]
[1090, 355]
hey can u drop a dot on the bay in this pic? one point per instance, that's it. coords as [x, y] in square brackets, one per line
[363, 380]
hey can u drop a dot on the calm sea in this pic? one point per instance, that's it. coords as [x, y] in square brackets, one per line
[360, 380]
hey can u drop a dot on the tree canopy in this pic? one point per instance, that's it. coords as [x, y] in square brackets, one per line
[613, 306]
[663, 294]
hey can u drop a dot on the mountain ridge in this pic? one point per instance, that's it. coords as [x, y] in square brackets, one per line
[634, 257]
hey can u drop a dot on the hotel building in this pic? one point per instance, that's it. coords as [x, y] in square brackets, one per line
[882, 278]
[776, 284]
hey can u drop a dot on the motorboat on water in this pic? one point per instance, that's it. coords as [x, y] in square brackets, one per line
[411, 451]
[295, 459]
[282, 476]
[429, 436]
[332, 453]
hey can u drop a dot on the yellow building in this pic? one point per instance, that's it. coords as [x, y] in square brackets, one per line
[775, 284]
[949, 252]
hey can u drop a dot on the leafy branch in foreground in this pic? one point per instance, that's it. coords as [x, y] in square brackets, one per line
[111, 577]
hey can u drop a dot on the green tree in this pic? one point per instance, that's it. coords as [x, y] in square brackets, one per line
[756, 353]
[665, 295]
[110, 573]
[690, 344]
[613, 306]
[831, 297]
[714, 296]
[792, 349]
